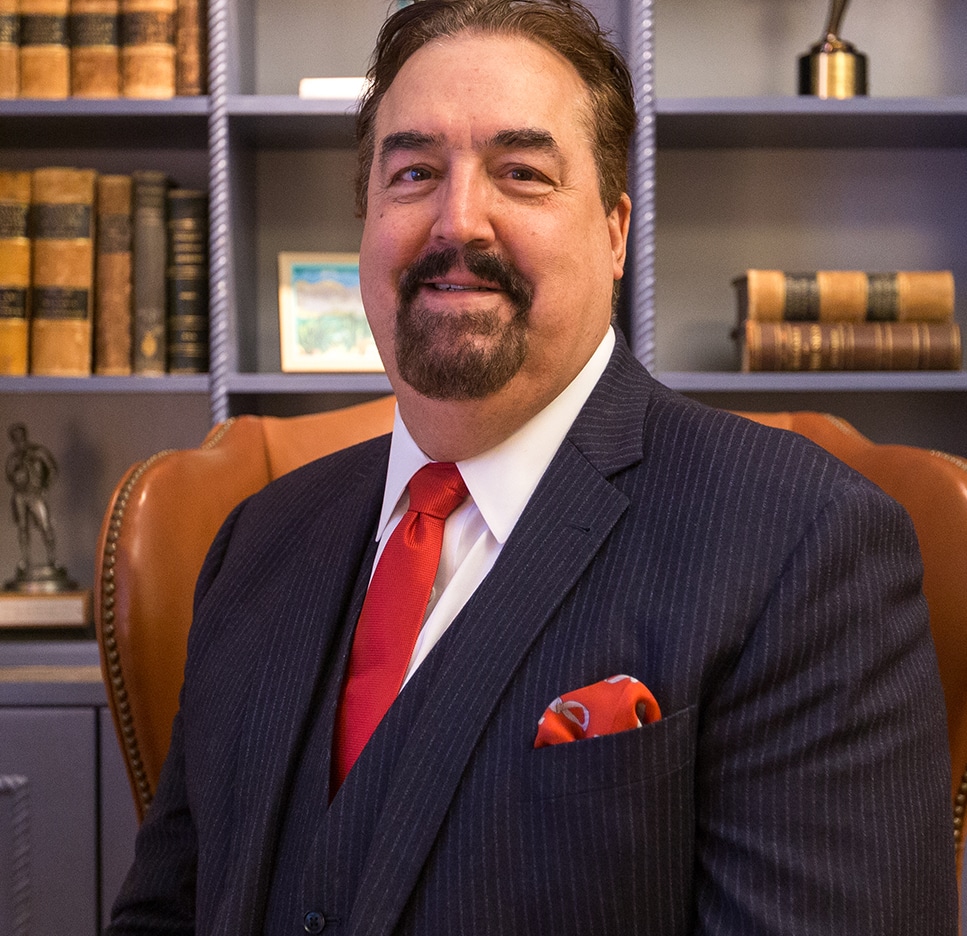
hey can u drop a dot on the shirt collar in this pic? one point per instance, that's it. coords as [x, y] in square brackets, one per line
[502, 479]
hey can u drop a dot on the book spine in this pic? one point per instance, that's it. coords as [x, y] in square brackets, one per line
[187, 282]
[846, 296]
[9, 49]
[191, 43]
[14, 271]
[62, 235]
[148, 51]
[149, 352]
[44, 49]
[112, 296]
[848, 346]
[95, 53]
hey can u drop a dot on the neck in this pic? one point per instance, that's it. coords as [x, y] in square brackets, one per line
[454, 430]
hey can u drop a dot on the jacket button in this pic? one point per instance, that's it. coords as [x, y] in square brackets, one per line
[314, 922]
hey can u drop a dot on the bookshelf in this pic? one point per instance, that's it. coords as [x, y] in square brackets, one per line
[749, 174]
[730, 167]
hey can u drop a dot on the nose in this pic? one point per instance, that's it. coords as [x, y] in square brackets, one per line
[463, 215]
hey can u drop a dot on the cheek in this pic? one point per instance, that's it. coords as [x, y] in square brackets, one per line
[376, 286]
[388, 245]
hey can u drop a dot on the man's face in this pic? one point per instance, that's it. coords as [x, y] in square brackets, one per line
[487, 261]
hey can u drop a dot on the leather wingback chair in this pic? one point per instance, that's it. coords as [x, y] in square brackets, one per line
[162, 517]
[166, 511]
[932, 486]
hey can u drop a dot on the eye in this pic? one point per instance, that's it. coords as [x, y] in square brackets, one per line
[526, 179]
[525, 174]
[413, 174]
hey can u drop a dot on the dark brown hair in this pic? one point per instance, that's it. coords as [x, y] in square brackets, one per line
[565, 26]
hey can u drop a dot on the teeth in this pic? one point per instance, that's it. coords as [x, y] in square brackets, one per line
[449, 287]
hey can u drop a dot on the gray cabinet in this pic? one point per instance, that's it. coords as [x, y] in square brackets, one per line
[67, 822]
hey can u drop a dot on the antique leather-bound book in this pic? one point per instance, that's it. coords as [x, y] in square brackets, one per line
[846, 296]
[191, 42]
[148, 52]
[95, 54]
[44, 49]
[149, 351]
[14, 271]
[62, 241]
[9, 48]
[112, 264]
[187, 277]
[850, 346]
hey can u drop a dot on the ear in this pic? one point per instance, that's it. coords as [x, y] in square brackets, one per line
[619, 221]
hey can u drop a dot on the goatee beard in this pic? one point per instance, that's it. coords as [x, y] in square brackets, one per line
[465, 356]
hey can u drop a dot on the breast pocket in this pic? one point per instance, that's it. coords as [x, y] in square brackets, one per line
[610, 762]
[609, 815]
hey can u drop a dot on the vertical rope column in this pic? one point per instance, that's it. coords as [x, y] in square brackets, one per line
[219, 212]
[642, 44]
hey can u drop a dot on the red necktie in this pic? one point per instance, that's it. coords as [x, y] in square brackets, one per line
[393, 611]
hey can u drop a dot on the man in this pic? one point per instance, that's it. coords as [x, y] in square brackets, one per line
[776, 762]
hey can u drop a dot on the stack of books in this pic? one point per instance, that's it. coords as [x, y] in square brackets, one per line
[102, 274]
[837, 320]
[102, 48]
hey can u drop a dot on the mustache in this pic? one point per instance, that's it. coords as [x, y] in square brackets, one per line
[484, 264]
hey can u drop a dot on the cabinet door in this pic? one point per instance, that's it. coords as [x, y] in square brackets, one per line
[52, 886]
[119, 824]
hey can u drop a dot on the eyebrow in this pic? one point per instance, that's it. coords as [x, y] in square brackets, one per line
[406, 140]
[524, 138]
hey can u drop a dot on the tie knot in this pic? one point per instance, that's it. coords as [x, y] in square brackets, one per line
[437, 489]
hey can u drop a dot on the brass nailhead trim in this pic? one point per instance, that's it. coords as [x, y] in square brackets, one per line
[108, 629]
[960, 808]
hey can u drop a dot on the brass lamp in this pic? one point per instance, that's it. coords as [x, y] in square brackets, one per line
[833, 68]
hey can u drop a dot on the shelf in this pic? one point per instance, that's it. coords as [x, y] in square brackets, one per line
[172, 383]
[40, 671]
[308, 383]
[290, 122]
[177, 123]
[808, 122]
[816, 382]
[287, 121]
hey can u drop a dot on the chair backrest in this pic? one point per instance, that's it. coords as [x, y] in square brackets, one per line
[161, 520]
[932, 486]
[166, 511]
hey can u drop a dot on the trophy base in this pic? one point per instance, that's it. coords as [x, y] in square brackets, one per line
[833, 69]
[41, 580]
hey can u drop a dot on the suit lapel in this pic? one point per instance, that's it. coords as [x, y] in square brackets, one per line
[307, 639]
[575, 507]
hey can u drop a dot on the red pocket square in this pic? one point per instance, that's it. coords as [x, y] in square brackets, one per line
[606, 707]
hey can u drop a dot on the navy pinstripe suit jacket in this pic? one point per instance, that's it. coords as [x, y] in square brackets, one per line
[766, 594]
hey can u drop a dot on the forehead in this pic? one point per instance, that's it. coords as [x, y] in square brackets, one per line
[484, 83]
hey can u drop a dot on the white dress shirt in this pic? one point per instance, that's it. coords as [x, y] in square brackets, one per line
[500, 481]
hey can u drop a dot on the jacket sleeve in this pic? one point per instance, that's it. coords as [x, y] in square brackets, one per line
[823, 775]
[158, 895]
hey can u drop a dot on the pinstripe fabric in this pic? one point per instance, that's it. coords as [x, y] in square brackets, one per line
[767, 595]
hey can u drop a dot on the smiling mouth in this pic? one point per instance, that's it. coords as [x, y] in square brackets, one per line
[455, 272]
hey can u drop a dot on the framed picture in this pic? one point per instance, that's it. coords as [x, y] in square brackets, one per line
[321, 321]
